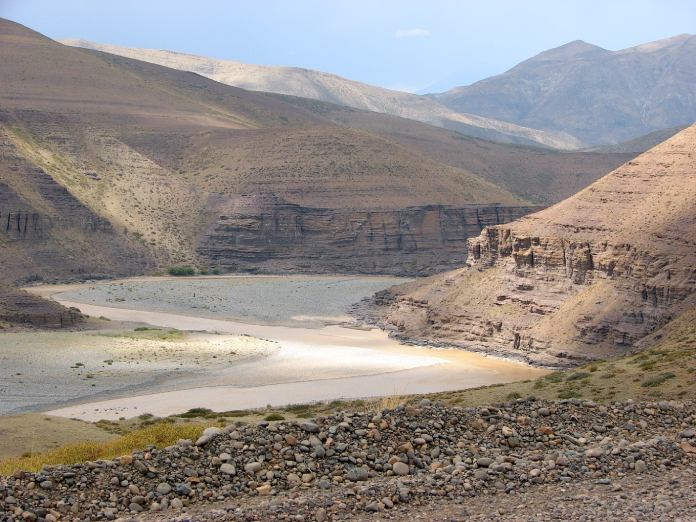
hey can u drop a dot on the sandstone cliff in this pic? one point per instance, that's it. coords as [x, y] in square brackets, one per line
[264, 233]
[585, 278]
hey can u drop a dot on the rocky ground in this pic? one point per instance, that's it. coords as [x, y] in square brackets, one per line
[302, 301]
[542, 460]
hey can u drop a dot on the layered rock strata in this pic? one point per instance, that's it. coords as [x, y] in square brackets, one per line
[47, 233]
[585, 278]
[263, 233]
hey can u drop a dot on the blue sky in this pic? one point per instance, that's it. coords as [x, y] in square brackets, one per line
[426, 45]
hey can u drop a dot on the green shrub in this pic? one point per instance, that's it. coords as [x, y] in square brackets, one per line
[554, 377]
[195, 412]
[274, 417]
[181, 271]
[513, 396]
[569, 393]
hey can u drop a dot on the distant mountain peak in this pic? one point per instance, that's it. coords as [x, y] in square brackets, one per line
[599, 96]
[574, 49]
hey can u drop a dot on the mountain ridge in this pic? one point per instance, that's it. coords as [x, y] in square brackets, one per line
[601, 97]
[332, 88]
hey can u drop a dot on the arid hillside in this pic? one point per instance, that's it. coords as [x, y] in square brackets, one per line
[334, 89]
[539, 175]
[150, 167]
[586, 278]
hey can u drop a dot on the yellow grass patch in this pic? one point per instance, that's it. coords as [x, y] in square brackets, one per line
[160, 434]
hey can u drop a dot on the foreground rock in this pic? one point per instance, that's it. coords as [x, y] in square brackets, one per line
[349, 465]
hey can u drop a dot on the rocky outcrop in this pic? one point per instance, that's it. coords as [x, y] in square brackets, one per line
[19, 308]
[263, 233]
[586, 278]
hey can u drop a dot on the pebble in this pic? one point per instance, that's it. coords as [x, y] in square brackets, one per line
[400, 468]
[163, 488]
[228, 469]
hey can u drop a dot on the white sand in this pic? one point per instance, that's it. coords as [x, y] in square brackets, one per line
[310, 365]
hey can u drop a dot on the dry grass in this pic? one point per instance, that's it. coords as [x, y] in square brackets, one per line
[160, 434]
[664, 369]
[389, 402]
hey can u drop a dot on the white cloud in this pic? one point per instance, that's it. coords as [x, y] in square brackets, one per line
[410, 33]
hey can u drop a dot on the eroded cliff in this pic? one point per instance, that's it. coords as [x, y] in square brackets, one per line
[583, 279]
[264, 233]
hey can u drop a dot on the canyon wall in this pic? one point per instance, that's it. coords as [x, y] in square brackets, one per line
[263, 233]
[584, 279]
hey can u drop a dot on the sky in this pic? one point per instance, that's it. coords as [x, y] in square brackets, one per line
[417, 46]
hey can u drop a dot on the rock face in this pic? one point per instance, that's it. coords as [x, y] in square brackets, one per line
[263, 233]
[585, 278]
[21, 308]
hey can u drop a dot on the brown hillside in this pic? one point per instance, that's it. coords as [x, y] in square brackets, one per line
[327, 87]
[539, 175]
[586, 278]
[164, 157]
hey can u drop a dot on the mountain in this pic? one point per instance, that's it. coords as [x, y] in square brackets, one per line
[586, 278]
[335, 89]
[112, 166]
[596, 95]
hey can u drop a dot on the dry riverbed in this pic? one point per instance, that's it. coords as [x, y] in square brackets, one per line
[267, 340]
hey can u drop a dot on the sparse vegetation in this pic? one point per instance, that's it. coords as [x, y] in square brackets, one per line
[657, 380]
[181, 271]
[160, 434]
[576, 376]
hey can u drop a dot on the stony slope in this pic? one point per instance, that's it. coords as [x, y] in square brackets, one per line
[22, 309]
[586, 278]
[331, 88]
[596, 95]
[358, 465]
[160, 160]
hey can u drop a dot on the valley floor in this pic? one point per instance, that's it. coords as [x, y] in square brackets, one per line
[171, 366]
